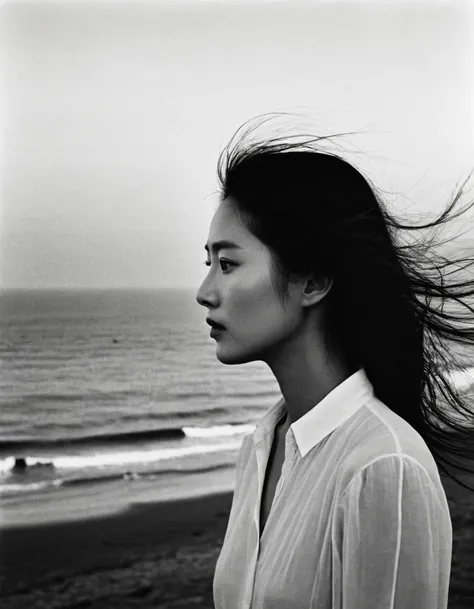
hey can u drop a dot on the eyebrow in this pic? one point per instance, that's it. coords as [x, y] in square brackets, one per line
[220, 245]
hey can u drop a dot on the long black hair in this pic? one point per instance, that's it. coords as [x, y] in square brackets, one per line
[389, 302]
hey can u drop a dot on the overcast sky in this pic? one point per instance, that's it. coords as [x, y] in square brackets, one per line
[114, 114]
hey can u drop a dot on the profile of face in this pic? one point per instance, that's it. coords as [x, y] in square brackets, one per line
[239, 293]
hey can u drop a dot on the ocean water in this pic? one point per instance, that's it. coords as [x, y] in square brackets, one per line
[110, 384]
[105, 385]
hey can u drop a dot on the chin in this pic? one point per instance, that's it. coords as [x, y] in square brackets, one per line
[229, 358]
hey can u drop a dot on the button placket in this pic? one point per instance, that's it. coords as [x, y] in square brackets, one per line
[279, 486]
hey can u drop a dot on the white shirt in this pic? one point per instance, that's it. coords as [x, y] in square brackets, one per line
[359, 519]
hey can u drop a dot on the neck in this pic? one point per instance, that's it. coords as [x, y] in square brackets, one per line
[307, 373]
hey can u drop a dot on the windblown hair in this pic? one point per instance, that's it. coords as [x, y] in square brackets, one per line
[388, 301]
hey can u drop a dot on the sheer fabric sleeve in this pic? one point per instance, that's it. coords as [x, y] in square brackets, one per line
[393, 538]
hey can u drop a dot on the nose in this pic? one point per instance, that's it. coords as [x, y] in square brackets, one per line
[204, 296]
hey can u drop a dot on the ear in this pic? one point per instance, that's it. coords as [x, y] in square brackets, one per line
[315, 290]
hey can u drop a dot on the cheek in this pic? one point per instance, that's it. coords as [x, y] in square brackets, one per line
[256, 308]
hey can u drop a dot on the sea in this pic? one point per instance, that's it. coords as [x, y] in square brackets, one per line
[122, 387]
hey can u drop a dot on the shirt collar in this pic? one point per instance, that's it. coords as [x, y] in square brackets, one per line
[326, 416]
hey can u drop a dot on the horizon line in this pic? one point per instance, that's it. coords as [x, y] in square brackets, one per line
[95, 288]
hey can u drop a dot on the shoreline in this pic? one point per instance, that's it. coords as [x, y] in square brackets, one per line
[104, 499]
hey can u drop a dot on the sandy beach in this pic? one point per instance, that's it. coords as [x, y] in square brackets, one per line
[461, 506]
[153, 555]
[158, 554]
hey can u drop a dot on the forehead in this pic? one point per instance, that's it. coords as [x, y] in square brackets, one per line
[226, 225]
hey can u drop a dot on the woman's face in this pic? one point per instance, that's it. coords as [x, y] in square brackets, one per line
[239, 294]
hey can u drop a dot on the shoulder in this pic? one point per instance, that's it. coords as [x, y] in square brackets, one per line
[399, 494]
[380, 444]
[391, 474]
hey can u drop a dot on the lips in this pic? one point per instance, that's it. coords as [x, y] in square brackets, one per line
[214, 324]
[216, 332]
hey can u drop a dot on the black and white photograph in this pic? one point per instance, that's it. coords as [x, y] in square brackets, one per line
[236, 304]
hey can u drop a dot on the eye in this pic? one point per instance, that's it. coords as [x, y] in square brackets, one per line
[222, 261]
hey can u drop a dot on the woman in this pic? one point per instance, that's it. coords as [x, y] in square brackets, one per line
[338, 500]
